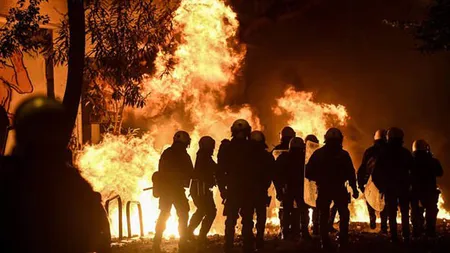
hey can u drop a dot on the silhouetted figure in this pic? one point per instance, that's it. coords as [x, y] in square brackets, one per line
[365, 171]
[4, 129]
[203, 180]
[174, 173]
[47, 206]
[262, 180]
[290, 181]
[425, 194]
[331, 167]
[236, 170]
[287, 133]
[392, 177]
[315, 215]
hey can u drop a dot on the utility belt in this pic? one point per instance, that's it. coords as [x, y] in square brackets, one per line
[199, 188]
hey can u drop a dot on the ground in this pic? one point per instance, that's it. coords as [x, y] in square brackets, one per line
[363, 240]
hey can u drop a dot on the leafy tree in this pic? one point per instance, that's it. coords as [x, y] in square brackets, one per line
[21, 31]
[125, 38]
[433, 32]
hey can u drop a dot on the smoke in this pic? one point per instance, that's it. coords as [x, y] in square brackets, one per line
[342, 52]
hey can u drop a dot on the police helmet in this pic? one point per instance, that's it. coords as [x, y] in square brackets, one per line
[41, 122]
[333, 134]
[182, 137]
[287, 132]
[420, 145]
[395, 133]
[207, 143]
[296, 143]
[380, 134]
[241, 128]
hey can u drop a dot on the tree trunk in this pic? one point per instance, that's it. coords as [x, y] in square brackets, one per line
[76, 60]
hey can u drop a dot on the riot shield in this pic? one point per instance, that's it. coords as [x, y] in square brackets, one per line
[373, 196]
[310, 187]
[277, 152]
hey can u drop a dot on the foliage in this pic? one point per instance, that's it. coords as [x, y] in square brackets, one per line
[21, 31]
[433, 32]
[125, 38]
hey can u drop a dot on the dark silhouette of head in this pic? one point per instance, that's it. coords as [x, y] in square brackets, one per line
[182, 138]
[334, 137]
[258, 138]
[296, 145]
[41, 126]
[395, 136]
[207, 144]
[421, 146]
[287, 133]
[241, 129]
[380, 135]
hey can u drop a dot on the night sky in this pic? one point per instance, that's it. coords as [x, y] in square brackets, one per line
[343, 52]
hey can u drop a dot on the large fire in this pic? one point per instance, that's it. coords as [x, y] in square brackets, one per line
[192, 98]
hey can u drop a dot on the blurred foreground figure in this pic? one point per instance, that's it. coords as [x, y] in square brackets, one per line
[47, 205]
[262, 181]
[203, 180]
[235, 177]
[331, 167]
[424, 189]
[286, 135]
[171, 179]
[290, 184]
[365, 171]
[392, 177]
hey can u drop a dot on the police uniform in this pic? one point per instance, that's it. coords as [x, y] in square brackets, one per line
[175, 169]
[330, 167]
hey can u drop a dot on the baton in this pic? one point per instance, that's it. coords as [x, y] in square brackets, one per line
[147, 189]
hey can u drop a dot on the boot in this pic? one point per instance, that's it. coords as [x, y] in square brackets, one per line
[156, 244]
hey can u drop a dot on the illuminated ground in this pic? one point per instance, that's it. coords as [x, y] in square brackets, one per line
[362, 240]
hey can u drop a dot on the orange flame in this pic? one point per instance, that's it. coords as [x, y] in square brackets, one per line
[308, 117]
[191, 98]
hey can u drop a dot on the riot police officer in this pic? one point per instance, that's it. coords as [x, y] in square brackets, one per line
[365, 171]
[174, 172]
[286, 134]
[315, 215]
[235, 173]
[203, 180]
[263, 180]
[331, 167]
[290, 170]
[424, 189]
[391, 176]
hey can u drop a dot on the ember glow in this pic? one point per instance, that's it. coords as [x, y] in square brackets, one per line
[191, 98]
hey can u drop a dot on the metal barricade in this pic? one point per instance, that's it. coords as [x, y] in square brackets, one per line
[119, 203]
[141, 223]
